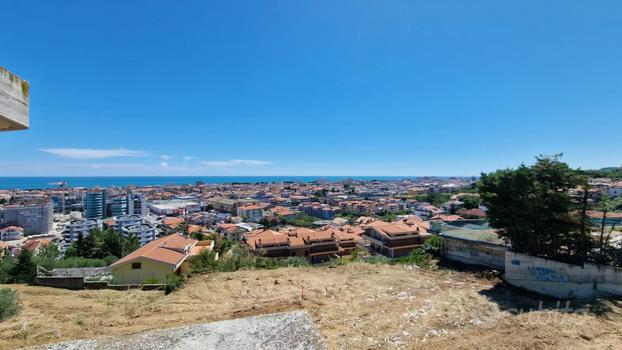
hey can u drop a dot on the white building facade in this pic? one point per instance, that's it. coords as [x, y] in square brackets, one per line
[76, 227]
[144, 232]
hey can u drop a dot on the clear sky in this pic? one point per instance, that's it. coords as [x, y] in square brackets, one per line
[312, 87]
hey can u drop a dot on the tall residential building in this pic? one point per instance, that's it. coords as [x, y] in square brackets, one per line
[59, 203]
[34, 218]
[76, 227]
[136, 204]
[116, 206]
[95, 205]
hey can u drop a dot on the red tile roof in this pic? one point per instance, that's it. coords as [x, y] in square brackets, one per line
[172, 249]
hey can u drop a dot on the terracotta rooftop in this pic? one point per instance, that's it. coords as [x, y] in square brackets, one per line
[172, 249]
[12, 228]
[173, 222]
[398, 228]
[446, 217]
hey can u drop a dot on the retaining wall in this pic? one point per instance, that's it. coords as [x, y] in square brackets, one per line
[74, 283]
[561, 280]
[473, 253]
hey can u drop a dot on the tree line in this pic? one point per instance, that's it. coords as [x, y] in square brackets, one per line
[542, 210]
[98, 248]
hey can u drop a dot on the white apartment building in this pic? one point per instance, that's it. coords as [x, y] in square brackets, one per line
[75, 227]
[137, 204]
[144, 232]
[128, 220]
[250, 212]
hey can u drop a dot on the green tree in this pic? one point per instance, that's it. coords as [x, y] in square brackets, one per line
[470, 202]
[101, 244]
[111, 243]
[79, 247]
[6, 268]
[49, 251]
[130, 244]
[532, 208]
[25, 270]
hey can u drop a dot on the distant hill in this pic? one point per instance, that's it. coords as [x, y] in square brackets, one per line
[614, 173]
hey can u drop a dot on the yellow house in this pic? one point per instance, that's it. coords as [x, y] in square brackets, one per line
[155, 260]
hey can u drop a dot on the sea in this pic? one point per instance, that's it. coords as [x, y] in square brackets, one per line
[26, 183]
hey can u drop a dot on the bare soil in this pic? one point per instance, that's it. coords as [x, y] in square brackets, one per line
[357, 306]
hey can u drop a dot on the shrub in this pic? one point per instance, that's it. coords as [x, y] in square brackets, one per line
[293, 261]
[69, 262]
[419, 257]
[6, 266]
[9, 303]
[376, 259]
[108, 260]
[173, 282]
[432, 245]
[205, 261]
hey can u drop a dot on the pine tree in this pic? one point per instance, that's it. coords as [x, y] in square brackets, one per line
[25, 270]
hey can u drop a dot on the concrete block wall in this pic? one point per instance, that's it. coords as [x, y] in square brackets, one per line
[473, 253]
[74, 283]
[561, 280]
[14, 102]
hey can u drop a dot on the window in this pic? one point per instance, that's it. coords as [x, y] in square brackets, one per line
[135, 266]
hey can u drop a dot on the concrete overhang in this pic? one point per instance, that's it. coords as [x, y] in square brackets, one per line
[14, 102]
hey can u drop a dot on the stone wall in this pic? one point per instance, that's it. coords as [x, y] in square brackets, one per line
[561, 280]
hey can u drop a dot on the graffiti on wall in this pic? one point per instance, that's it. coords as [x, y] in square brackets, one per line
[546, 274]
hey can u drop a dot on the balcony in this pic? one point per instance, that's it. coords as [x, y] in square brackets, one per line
[14, 102]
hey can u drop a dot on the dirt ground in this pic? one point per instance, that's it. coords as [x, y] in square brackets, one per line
[356, 306]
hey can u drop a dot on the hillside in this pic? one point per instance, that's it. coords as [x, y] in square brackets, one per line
[354, 306]
[614, 173]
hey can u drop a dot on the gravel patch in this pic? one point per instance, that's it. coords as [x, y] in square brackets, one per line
[289, 330]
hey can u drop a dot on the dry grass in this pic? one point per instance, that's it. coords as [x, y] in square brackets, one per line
[354, 306]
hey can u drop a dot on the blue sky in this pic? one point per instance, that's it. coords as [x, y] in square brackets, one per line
[312, 87]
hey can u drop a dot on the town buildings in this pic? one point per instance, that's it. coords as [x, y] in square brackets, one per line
[137, 204]
[145, 233]
[251, 212]
[35, 217]
[237, 212]
[224, 205]
[75, 228]
[615, 189]
[157, 259]
[116, 206]
[174, 207]
[128, 220]
[322, 211]
[396, 239]
[95, 204]
[11, 233]
[314, 245]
